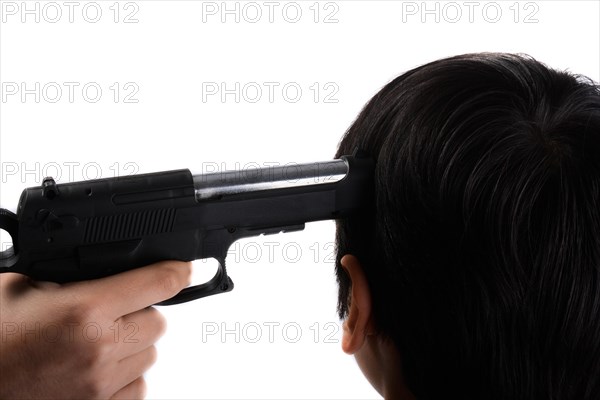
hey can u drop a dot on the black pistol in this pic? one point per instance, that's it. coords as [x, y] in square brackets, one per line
[92, 229]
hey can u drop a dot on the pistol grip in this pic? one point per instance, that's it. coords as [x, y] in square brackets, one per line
[10, 223]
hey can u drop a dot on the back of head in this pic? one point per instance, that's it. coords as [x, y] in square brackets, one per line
[482, 249]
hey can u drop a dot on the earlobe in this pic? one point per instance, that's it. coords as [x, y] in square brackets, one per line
[358, 323]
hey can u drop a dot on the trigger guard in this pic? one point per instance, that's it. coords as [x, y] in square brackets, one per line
[220, 283]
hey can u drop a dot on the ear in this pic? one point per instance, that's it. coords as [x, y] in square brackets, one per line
[358, 323]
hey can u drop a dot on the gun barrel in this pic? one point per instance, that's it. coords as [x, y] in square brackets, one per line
[219, 184]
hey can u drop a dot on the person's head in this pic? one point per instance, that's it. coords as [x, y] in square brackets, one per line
[476, 271]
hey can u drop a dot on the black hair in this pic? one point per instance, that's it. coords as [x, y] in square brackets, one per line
[482, 246]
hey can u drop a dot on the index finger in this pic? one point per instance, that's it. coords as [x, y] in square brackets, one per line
[139, 288]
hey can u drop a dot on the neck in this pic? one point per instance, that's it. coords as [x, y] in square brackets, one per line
[392, 384]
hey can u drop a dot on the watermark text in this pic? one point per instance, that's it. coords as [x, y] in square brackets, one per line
[470, 11]
[53, 12]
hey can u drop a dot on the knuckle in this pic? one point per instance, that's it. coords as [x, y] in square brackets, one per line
[139, 388]
[90, 360]
[94, 387]
[170, 280]
[95, 371]
[159, 322]
[93, 355]
[80, 312]
[152, 356]
[179, 271]
[103, 348]
[169, 283]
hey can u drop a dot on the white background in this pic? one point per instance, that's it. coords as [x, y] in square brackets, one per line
[169, 54]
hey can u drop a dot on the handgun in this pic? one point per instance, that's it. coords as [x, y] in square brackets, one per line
[92, 229]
